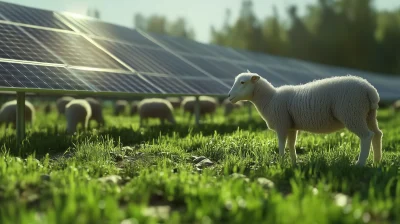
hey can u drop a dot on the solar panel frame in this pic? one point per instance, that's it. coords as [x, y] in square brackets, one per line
[31, 16]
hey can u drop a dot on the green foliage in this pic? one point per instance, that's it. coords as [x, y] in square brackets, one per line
[56, 178]
[347, 33]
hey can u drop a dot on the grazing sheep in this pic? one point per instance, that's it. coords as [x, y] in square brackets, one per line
[175, 101]
[61, 102]
[77, 111]
[8, 113]
[47, 108]
[134, 107]
[156, 108]
[396, 106]
[208, 105]
[321, 106]
[120, 107]
[97, 111]
[229, 107]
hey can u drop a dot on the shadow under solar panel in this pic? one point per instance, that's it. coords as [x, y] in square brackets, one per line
[31, 16]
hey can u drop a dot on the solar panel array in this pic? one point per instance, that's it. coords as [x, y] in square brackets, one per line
[47, 51]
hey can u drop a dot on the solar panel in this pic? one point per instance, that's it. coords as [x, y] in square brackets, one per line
[148, 60]
[15, 44]
[173, 85]
[114, 32]
[31, 16]
[116, 82]
[74, 49]
[217, 68]
[208, 86]
[38, 77]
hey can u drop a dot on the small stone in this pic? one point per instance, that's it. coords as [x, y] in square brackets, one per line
[127, 148]
[266, 183]
[110, 179]
[45, 177]
[197, 159]
[204, 163]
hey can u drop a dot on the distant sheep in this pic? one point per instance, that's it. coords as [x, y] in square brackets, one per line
[321, 106]
[120, 107]
[77, 111]
[156, 108]
[134, 108]
[97, 111]
[396, 106]
[8, 113]
[230, 107]
[61, 102]
[208, 105]
[47, 108]
[175, 101]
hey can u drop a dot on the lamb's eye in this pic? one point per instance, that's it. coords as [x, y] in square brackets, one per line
[242, 82]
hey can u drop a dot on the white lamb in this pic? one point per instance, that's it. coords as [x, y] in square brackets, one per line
[8, 113]
[61, 102]
[77, 111]
[156, 108]
[321, 106]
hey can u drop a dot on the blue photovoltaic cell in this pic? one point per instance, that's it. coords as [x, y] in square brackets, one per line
[116, 82]
[74, 49]
[15, 44]
[31, 16]
[172, 85]
[208, 86]
[38, 77]
[115, 32]
[217, 68]
[148, 60]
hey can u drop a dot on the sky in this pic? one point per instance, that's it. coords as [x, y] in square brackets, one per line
[200, 15]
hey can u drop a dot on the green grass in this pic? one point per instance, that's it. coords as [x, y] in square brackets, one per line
[56, 178]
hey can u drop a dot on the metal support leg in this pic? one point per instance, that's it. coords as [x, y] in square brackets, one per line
[20, 117]
[250, 109]
[197, 110]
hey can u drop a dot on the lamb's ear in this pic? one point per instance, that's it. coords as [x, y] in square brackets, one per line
[255, 78]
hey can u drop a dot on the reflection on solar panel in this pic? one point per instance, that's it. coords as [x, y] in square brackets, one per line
[38, 77]
[217, 68]
[14, 44]
[207, 86]
[173, 85]
[116, 82]
[149, 60]
[74, 49]
[31, 16]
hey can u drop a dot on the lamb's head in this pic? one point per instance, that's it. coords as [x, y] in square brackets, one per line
[243, 87]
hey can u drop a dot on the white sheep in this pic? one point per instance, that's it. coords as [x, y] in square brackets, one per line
[156, 108]
[97, 111]
[208, 105]
[61, 102]
[230, 107]
[396, 106]
[175, 101]
[321, 106]
[8, 113]
[77, 111]
[134, 107]
[120, 107]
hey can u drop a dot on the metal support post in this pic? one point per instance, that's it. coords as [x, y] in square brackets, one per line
[20, 117]
[197, 110]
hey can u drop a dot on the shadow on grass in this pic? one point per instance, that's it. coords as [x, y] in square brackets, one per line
[52, 141]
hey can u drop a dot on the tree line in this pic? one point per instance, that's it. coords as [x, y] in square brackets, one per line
[347, 33]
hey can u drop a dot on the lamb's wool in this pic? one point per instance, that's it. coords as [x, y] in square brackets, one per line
[175, 101]
[77, 111]
[156, 108]
[120, 107]
[134, 107]
[97, 111]
[61, 102]
[8, 113]
[208, 105]
[321, 106]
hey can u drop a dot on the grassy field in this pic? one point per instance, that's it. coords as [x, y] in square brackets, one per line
[123, 174]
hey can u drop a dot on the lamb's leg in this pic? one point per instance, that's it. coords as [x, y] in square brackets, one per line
[359, 126]
[377, 139]
[291, 144]
[282, 135]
